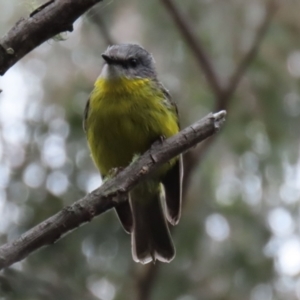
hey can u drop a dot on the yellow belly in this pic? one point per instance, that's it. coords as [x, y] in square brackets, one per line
[125, 118]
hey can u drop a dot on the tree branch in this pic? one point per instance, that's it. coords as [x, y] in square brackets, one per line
[144, 281]
[108, 195]
[195, 46]
[248, 57]
[193, 157]
[45, 22]
[223, 96]
[97, 19]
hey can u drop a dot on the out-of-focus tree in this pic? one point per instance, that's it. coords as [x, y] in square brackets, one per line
[239, 233]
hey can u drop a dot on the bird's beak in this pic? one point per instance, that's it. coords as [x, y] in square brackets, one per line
[107, 59]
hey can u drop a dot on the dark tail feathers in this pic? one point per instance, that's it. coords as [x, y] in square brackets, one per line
[151, 238]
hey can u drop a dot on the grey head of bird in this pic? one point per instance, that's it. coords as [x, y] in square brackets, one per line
[128, 60]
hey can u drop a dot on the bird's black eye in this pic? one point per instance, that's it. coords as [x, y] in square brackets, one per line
[132, 62]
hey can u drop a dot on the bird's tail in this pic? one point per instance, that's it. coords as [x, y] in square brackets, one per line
[151, 238]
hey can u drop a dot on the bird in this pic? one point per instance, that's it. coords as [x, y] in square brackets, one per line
[129, 110]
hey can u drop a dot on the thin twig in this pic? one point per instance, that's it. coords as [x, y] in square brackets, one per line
[107, 196]
[95, 16]
[195, 45]
[145, 281]
[248, 57]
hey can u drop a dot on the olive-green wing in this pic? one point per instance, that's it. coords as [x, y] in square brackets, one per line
[169, 102]
[85, 115]
[172, 180]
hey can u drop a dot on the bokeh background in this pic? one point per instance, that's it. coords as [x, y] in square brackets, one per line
[238, 238]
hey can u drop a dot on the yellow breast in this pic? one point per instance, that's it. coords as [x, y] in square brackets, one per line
[125, 118]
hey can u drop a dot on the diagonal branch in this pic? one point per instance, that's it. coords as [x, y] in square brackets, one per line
[108, 195]
[223, 94]
[195, 46]
[45, 22]
[248, 57]
[224, 101]
[96, 18]
[194, 157]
